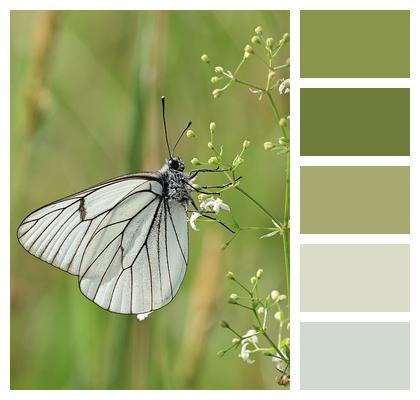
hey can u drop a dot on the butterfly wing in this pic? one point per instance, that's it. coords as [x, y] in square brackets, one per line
[127, 244]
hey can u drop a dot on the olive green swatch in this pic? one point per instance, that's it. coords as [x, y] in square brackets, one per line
[359, 200]
[355, 122]
[355, 277]
[355, 44]
[355, 356]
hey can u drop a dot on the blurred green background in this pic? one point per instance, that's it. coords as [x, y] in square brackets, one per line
[85, 106]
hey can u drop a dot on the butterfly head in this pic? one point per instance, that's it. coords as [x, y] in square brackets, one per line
[176, 164]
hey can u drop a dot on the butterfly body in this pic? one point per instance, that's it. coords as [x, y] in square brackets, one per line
[175, 182]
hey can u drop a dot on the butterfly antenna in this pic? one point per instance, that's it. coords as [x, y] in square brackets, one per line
[164, 125]
[180, 136]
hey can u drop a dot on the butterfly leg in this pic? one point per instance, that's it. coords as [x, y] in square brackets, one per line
[221, 186]
[195, 172]
[204, 214]
[199, 190]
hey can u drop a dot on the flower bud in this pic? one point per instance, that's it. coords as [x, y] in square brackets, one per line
[259, 273]
[215, 79]
[258, 30]
[246, 144]
[205, 58]
[230, 275]
[268, 145]
[247, 55]
[249, 49]
[210, 145]
[282, 297]
[277, 316]
[256, 40]
[283, 141]
[196, 161]
[221, 353]
[212, 127]
[254, 280]
[217, 92]
[261, 310]
[234, 296]
[218, 70]
[283, 122]
[191, 133]
[213, 161]
[286, 37]
[237, 161]
[269, 42]
[271, 75]
[223, 324]
[275, 294]
[235, 340]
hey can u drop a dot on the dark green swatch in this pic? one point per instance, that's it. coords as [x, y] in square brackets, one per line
[355, 44]
[355, 200]
[355, 122]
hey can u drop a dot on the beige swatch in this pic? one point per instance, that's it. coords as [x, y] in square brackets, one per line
[362, 277]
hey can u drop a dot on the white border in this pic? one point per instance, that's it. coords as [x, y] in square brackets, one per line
[296, 239]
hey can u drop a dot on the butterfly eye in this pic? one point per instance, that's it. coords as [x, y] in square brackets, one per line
[173, 164]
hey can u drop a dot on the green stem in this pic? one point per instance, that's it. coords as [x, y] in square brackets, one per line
[286, 212]
[274, 108]
[259, 205]
[249, 84]
[286, 234]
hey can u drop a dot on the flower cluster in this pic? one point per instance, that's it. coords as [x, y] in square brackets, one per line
[260, 338]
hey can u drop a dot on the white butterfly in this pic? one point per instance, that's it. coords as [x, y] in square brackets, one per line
[126, 238]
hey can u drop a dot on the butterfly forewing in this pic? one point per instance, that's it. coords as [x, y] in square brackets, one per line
[126, 242]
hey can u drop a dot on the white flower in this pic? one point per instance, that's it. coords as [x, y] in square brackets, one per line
[250, 338]
[212, 204]
[143, 316]
[284, 86]
[280, 363]
[245, 354]
[193, 218]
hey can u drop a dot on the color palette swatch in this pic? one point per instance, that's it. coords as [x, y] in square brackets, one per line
[355, 355]
[355, 122]
[365, 277]
[354, 189]
[359, 200]
[355, 44]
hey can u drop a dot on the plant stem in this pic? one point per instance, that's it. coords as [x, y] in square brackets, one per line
[286, 219]
[274, 108]
[259, 205]
[286, 212]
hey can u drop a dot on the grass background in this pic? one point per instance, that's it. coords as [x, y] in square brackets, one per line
[85, 106]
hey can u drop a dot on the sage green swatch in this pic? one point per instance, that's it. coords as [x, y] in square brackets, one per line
[355, 122]
[355, 44]
[359, 200]
[355, 356]
[355, 277]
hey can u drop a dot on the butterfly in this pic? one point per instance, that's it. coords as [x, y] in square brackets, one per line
[126, 238]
